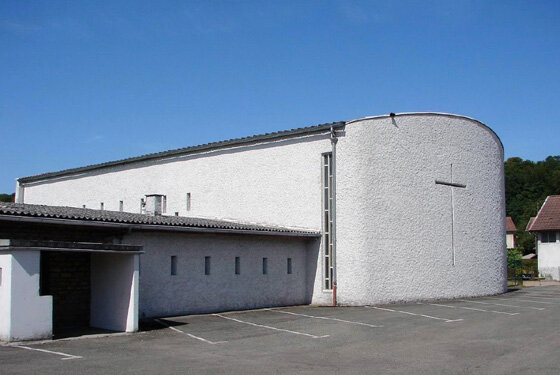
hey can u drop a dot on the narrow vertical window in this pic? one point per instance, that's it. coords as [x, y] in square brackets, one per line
[173, 265]
[142, 205]
[188, 201]
[237, 266]
[207, 265]
[101, 206]
[121, 206]
[164, 204]
[327, 221]
[265, 266]
[0, 276]
[289, 266]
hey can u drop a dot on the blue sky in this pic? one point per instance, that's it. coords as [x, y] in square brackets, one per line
[87, 82]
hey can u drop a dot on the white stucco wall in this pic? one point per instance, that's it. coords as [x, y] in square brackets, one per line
[5, 296]
[277, 183]
[394, 222]
[114, 292]
[24, 314]
[549, 258]
[191, 291]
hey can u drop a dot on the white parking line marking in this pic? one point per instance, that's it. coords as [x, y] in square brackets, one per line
[66, 356]
[409, 313]
[522, 300]
[503, 304]
[272, 328]
[472, 308]
[326, 318]
[541, 297]
[189, 334]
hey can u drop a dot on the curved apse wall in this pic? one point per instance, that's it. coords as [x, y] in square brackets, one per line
[401, 236]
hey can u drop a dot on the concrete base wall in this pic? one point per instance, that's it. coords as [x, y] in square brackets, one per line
[191, 291]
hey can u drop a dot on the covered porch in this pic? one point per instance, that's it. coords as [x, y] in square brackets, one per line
[51, 287]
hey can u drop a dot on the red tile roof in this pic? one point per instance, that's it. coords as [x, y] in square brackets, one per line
[510, 225]
[548, 217]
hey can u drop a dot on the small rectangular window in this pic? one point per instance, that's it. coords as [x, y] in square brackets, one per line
[289, 264]
[173, 265]
[237, 266]
[164, 204]
[121, 206]
[265, 266]
[188, 201]
[207, 265]
[548, 237]
[0, 276]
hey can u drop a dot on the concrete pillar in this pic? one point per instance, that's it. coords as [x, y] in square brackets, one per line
[24, 314]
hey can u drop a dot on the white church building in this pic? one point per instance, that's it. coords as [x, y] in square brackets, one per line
[382, 209]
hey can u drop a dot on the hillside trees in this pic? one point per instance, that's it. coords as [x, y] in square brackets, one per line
[528, 184]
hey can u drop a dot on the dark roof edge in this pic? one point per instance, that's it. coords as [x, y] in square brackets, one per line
[267, 137]
[436, 114]
[155, 227]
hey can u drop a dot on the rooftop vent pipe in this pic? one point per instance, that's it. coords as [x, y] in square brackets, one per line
[154, 204]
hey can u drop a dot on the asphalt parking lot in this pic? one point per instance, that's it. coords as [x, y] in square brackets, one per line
[514, 333]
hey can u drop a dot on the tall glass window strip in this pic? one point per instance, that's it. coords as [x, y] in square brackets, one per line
[327, 221]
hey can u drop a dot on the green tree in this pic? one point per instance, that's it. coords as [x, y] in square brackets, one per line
[527, 186]
[7, 197]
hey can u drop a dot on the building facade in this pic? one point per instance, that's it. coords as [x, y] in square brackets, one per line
[546, 228]
[407, 206]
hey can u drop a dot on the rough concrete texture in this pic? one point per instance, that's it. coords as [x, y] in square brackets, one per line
[394, 223]
[277, 183]
[191, 291]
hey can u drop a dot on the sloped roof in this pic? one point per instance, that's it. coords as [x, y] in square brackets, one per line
[531, 220]
[510, 225]
[12, 210]
[548, 217]
[192, 149]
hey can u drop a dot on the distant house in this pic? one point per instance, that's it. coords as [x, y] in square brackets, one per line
[546, 227]
[510, 232]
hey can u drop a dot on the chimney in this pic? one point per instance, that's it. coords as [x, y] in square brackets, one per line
[155, 204]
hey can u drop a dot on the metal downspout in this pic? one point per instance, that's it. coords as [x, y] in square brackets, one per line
[334, 140]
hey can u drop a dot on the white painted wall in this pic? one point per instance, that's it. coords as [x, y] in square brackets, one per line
[277, 183]
[549, 258]
[191, 291]
[5, 296]
[24, 314]
[394, 222]
[114, 292]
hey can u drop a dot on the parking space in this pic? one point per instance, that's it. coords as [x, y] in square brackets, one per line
[516, 332]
